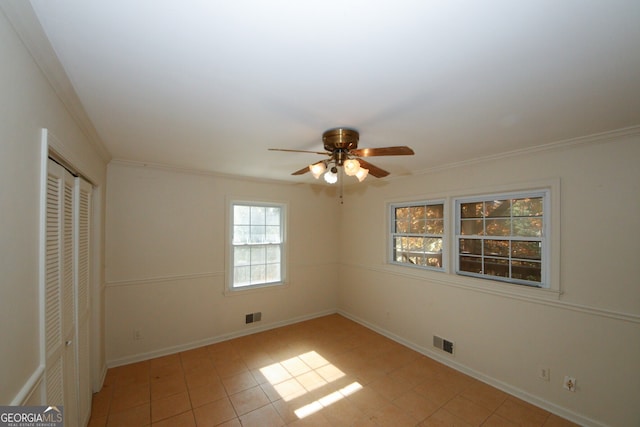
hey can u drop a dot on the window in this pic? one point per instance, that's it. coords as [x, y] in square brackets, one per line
[503, 237]
[417, 234]
[257, 244]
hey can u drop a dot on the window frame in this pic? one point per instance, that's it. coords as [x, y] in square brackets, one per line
[393, 234]
[544, 239]
[231, 286]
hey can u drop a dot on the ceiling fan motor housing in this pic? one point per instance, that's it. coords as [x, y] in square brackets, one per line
[341, 139]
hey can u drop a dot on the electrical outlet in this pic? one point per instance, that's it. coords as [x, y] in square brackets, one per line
[137, 335]
[569, 383]
[544, 373]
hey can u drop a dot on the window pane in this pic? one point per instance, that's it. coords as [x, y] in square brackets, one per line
[258, 274]
[273, 216]
[273, 273]
[435, 226]
[527, 227]
[471, 264]
[258, 215]
[471, 246]
[496, 248]
[434, 260]
[527, 207]
[527, 270]
[241, 234]
[496, 267]
[435, 211]
[242, 276]
[273, 234]
[402, 226]
[418, 226]
[527, 250]
[471, 210]
[257, 234]
[433, 244]
[497, 208]
[471, 227]
[273, 254]
[241, 255]
[241, 215]
[258, 255]
[498, 227]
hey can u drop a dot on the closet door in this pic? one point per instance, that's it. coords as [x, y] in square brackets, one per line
[54, 347]
[60, 296]
[82, 215]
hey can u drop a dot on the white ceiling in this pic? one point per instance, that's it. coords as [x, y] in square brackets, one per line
[210, 85]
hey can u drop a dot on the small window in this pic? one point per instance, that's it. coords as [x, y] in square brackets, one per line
[503, 237]
[257, 244]
[417, 234]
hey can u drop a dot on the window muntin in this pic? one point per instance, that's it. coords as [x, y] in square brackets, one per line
[417, 234]
[257, 240]
[502, 237]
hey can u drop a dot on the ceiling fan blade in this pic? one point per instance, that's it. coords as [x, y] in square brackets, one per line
[373, 170]
[299, 151]
[383, 151]
[301, 171]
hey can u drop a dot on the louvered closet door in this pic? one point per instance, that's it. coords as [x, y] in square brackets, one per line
[82, 257]
[60, 296]
[54, 347]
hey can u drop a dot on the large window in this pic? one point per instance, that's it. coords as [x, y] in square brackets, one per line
[503, 237]
[417, 234]
[257, 244]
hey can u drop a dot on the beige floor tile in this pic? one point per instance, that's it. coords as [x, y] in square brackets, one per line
[392, 416]
[467, 410]
[229, 368]
[416, 405]
[391, 387]
[214, 413]
[128, 397]
[249, 400]
[444, 418]
[168, 386]
[266, 416]
[170, 406]
[239, 382]
[485, 395]
[497, 421]
[523, 413]
[186, 419]
[138, 416]
[207, 393]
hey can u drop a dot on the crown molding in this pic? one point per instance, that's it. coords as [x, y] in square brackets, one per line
[25, 23]
[596, 138]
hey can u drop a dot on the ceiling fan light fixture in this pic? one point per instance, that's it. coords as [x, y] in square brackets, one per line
[317, 169]
[361, 174]
[331, 177]
[351, 167]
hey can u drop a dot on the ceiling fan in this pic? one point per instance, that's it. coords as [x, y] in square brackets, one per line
[341, 145]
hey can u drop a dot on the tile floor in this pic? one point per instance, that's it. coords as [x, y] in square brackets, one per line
[328, 371]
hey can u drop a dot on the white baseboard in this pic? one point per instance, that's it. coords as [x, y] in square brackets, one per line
[29, 388]
[514, 391]
[213, 340]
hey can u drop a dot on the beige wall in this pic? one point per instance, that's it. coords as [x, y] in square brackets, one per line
[28, 104]
[165, 248]
[590, 332]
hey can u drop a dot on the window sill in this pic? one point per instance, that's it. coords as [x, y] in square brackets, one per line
[246, 290]
[479, 285]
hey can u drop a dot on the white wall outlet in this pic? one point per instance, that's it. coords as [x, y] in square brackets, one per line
[569, 383]
[544, 373]
[137, 335]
